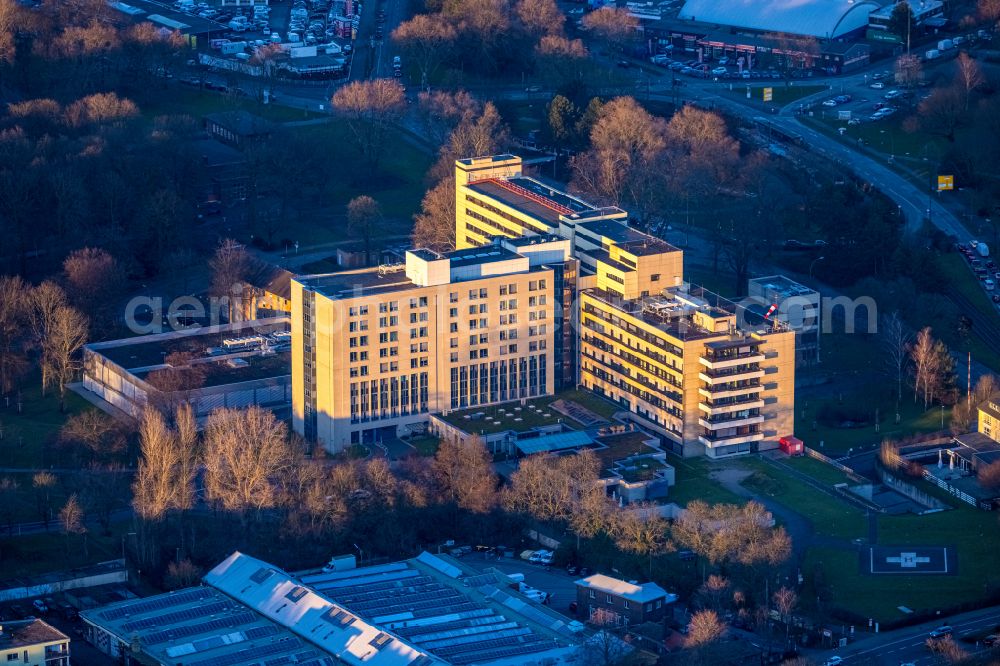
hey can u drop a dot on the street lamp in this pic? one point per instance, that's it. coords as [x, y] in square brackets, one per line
[361, 554]
[814, 261]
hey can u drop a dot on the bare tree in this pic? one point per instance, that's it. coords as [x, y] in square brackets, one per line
[965, 413]
[464, 473]
[43, 483]
[71, 521]
[371, 109]
[943, 112]
[99, 434]
[704, 629]
[615, 25]
[894, 339]
[641, 530]
[441, 111]
[969, 75]
[364, 216]
[434, 225]
[713, 590]
[14, 313]
[540, 17]
[989, 10]
[246, 452]
[230, 269]
[604, 648]
[785, 600]
[154, 488]
[44, 302]
[426, 40]
[183, 573]
[188, 458]
[947, 650]
[561, 60]
[473, 137]
[59, 350]
[933, 369]
[94, 282]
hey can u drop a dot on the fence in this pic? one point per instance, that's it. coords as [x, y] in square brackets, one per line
[813, 453]
[911, 491]
[950, 489]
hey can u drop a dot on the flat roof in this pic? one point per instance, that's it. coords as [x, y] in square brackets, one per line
[356, 283]
[457, 615]
[533, 239]
[620, 588]
[557, 442]
[480, 255]
[532, 197]
[165, 16]
[25, 633]
[203, 626]
[782, 285]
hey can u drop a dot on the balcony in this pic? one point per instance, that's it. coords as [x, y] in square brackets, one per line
[735, 421]
[738, 406]
[723, 363]
[713, 377]
[712, 441]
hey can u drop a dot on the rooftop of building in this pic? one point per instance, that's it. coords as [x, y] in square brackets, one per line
[242, 123]
[533, 239]
[269, 357]
[55, 577]
[25, 633]
[202, 626]
[164, 16]
[360, 282]
[817, 18]
[632, 240]
[480, 255]
[782, 285]
[991, 405]
[532, 197]
[271, 278]
[535, 413]
[456, 615]
[919, 8]
[623, 589]
[673, 311]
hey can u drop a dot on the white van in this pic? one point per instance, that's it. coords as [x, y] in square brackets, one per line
[989, 284]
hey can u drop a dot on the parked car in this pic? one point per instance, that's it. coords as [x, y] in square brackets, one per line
[941, 632]
[719, 71]
[40, 606]
[878, 85]
[572, 570]
[830, 102]
[833, 661]
[724, 60]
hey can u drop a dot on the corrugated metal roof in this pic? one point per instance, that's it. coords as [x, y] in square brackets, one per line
[557, 442]
[817, 18]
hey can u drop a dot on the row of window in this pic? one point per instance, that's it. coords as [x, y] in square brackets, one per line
[498, 381]
[389, 397]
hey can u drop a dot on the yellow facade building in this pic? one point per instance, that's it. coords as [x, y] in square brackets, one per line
[544, 291]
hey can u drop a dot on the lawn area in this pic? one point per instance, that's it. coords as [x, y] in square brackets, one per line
[693, 483]
[823, 414]
[25, 435]
[974, 535]
[425, 446]
[829, 516]
[198, 103]
[817, 469]
[780, 93]
[965, 284]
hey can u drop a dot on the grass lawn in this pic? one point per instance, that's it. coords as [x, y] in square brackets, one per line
[328, 265]
[26, 435]
[828, 515]
[973, 533]
[425, 446]
[967, 285]
[529, 417]
[780, 93]
[693, 483]
[817, 469]
[197, 103]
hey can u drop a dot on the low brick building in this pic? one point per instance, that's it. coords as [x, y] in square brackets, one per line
[621, 602]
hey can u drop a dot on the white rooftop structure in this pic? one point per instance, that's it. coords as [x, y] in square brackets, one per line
[625, 590]
[275, 595]
[826, 19]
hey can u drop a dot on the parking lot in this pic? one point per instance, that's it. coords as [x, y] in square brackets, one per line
[553, 580]
[58, 613]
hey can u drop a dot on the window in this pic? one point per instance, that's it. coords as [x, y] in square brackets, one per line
[541, 284]
[363, 309]
[383, 307]
[484, 308]
[473, 339]
[513, 289]
[484, 338]
[649, 607]
[655, 277]
[483, 293]
[453, 327]
[453, 343]
[453, 312]
[473, 294]
[354, 357]
[453, 297]
[593, 595]
[454, 357]
[353, 311]
[484, 352]
[472, 309]
[364, 356]
[533, 285]
[363, 341]
[626, 604]
[13, 656]
[503, 290]
[608, 598]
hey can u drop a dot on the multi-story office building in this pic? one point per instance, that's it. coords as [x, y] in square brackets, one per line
[796, 305]
[376, 350]
[545, 291]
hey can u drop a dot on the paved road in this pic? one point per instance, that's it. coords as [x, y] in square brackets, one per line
[909, 645]
[555, 581]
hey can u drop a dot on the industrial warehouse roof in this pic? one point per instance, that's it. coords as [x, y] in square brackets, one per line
[620, 588]
[817, 18]
[431, 603]
[201, 626]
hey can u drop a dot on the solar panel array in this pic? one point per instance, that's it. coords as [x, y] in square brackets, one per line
[228, 622]
[157, 603]
[195, 613]
[467, 631]
[250, 654]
